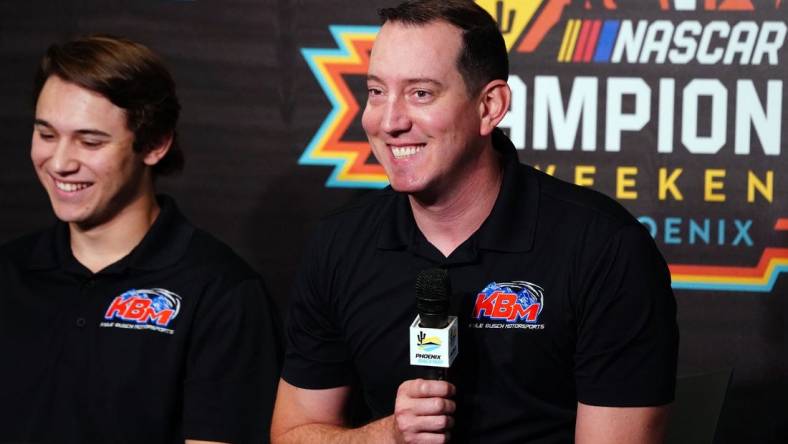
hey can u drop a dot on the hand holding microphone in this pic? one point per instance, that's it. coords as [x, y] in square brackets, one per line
[424, 408]
[423, 411]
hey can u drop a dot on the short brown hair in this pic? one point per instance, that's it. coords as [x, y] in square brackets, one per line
[483, 56]
[129, 75]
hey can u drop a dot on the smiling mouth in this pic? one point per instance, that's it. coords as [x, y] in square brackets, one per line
[70, 187]
[401, 152]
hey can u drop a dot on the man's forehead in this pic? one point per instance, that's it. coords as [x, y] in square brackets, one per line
[55, 84]
[415, 50]
[67, 106]
[432, 31]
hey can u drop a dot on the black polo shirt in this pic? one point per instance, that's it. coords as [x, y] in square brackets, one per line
[175, 340]
[561, 295]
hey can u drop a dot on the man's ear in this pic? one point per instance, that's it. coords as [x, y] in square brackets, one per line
[494, 102]
[158, 151]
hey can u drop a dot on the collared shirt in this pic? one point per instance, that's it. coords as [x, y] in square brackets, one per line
[561, 297]
[176, 340]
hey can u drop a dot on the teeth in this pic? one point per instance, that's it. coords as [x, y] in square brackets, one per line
[71, 187]
[405, 151]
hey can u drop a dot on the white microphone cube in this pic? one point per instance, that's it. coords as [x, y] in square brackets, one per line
[433, 347]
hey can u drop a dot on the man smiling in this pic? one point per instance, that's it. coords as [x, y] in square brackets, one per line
[567, 320]
[124, 323]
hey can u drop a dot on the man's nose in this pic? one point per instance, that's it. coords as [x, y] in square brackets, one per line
[64, 159]
[395, 116]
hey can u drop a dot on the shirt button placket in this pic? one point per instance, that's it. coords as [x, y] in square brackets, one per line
[80, 345]
[87, 287]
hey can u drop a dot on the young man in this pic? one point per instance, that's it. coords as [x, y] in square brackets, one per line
[593, 354]
[123, 322]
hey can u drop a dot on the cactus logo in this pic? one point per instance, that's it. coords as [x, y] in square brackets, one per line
[530, 19]
[427, 343]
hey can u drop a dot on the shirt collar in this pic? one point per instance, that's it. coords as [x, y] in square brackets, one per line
[511, 225]
[398, 228]
[163, 245]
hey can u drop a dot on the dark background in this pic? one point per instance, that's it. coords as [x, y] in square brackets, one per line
[251, 105]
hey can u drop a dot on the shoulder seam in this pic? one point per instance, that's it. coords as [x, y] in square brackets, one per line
[583, 204]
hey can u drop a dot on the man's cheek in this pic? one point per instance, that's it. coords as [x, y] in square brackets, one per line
[367, 120]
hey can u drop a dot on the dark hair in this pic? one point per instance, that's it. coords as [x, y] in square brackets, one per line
[483, 56]
[129, 75]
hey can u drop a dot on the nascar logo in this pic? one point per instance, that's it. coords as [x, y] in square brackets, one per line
[638, 41]
[660, 41]
[156, 306]
[512, 302]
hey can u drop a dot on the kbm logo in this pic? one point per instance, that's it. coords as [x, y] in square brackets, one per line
[155, 306]
[513, 302]
[640, 41]
[427, 343]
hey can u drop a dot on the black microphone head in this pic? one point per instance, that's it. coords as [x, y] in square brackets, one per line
[432, 297]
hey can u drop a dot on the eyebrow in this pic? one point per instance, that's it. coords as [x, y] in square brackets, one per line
[86, 131]
[375, 78]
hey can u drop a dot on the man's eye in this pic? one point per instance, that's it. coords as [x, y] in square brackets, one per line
[422, 94]
[92, 143]
[374, 91]
[46, 136]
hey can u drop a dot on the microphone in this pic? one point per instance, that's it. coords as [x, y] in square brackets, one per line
[432, 297]
[433, 333]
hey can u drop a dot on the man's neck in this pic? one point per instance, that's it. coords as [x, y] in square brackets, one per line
[99, 246]
[450, 220]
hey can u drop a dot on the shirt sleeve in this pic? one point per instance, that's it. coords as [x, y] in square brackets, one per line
[316, 354]
[627, 341]
[232, 366]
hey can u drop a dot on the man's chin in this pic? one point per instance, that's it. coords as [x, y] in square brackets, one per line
[424, 194]
[77, 219]
[405, 186]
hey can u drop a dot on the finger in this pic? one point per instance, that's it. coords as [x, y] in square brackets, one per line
[422, 388]
[430, 438]
[419, 424]
[429, 406]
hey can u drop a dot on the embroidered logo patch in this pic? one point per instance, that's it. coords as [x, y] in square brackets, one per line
[146, 309]
[516, 304]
